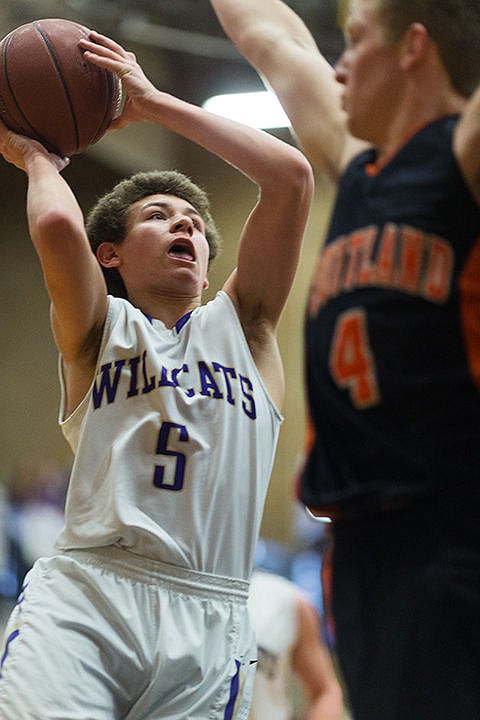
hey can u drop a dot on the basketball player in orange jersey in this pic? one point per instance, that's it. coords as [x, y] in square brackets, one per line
[172, 409]
[392, 336]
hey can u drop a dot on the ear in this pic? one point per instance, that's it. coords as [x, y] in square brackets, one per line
[107, 255]
[205, 284]
[415, 43]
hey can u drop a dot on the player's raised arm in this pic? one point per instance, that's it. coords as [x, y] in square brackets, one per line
[73, 278]
[282, 49]
[271, 239]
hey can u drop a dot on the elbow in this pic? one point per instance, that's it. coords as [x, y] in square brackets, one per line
[290, 181]
[301, 177]
[50, 219]
[49, 226]
[258, 41]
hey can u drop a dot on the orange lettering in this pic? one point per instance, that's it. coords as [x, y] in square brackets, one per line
[351, 360]
[439, 271]
[385, 260]
[411, 250]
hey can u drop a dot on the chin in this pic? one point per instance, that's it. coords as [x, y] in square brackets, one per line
[358, 131]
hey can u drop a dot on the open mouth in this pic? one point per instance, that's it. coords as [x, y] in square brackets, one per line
[182, 250]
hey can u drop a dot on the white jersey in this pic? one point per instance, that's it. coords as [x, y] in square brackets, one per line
[273, 614]
[174, 442]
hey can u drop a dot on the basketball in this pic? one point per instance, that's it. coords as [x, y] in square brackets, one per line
[49, 92]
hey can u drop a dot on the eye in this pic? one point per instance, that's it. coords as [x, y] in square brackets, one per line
[350, 40]
[353, 35]
[157, 215]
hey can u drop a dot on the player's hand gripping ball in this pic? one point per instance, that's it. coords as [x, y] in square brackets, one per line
[49, 92]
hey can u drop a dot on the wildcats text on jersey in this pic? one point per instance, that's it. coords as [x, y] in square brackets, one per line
[212, 380]
[396, 257]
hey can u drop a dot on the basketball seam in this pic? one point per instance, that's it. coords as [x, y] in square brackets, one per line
[112, 92]
[12, 93]
[80, 112]
[62, 79]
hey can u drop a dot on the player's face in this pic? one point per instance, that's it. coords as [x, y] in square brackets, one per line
[165, 247]
[369, 71]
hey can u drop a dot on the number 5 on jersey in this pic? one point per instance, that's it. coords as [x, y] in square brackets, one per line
[351, 361]
[162, 479]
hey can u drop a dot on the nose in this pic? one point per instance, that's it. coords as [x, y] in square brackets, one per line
[341, 69]
[183, 223]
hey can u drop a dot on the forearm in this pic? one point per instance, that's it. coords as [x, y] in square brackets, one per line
[328, 706]
[260, 156]
[279, 45]
[312, 663]
[48, 195]
[267, 161]
[255, 28]
[51, 203]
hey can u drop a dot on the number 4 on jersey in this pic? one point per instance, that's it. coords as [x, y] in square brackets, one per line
[351, 360]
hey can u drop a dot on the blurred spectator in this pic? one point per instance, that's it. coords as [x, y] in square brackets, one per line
[290, 648]
[12, 565]
[37, 497]
[31, 517]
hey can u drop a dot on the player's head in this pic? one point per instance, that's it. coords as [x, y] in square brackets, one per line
[108, 219]
[454, 25]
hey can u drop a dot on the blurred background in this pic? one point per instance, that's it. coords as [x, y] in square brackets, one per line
[184, 51]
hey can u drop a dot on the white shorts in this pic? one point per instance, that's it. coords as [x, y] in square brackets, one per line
[107, 635]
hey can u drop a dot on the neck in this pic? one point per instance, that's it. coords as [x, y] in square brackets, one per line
[167, 309]
[412, 116]
[424, 93]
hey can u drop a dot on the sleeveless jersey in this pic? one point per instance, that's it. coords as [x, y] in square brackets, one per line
[273, 613]
[174, 442]
[393, 332]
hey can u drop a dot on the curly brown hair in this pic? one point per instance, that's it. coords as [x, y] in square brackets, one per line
[108, 219]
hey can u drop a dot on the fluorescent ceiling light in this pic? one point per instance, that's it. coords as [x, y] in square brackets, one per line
[257, 109]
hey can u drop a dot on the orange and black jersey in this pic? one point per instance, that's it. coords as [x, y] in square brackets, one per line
[393, 331]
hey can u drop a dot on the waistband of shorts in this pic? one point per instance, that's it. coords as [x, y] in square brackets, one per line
[146, 570]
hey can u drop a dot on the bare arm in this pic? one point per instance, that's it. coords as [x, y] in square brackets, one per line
[271, 238]
[467, 144]
[311, 663]
[281, 48]
[73, 279]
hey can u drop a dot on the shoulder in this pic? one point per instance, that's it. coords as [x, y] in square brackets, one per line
[217, 317]
[467, 145]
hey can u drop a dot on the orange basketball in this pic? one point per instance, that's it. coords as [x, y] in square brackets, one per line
[48, 90]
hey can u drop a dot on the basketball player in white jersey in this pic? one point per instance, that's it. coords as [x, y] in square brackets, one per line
[290, 647]
[172, 409]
